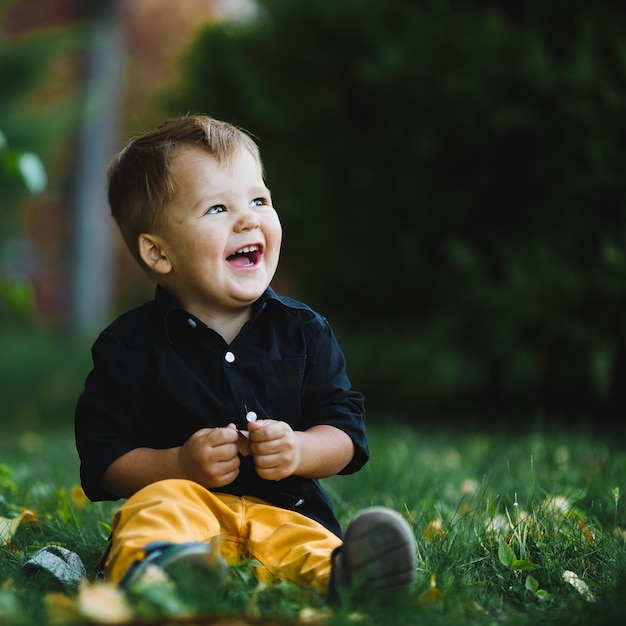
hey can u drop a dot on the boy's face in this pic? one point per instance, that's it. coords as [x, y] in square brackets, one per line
[222, 235]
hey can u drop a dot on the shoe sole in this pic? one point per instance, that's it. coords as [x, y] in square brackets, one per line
[378, 556]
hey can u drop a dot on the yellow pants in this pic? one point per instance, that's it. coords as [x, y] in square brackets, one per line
[289, 546]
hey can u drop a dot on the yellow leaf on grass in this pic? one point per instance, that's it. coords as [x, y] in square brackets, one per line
[60, 608]
[78, 496]
[434, 530]
[28, 515]
[431, 595]
[9, 525]
[7, 529]
[103, 603]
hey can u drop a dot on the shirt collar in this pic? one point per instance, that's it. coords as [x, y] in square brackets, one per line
[170, 309]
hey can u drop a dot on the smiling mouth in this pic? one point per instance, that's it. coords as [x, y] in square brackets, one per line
[248, 256]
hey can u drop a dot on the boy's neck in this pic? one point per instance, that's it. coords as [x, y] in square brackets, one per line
[227, 327]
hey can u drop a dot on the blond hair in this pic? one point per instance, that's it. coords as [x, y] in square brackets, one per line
[139, 182]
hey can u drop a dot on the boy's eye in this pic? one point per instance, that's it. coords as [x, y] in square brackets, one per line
[258, 202]
[218, 208]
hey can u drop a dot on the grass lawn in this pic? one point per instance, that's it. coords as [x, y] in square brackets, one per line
[509, 529]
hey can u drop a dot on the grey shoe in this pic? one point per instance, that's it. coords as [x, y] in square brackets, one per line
[62, 563]
[176, 562]
[377, 559]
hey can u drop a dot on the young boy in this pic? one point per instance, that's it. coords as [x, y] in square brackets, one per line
[216, 407]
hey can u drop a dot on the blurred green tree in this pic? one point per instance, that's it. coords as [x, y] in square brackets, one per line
[19, 171]
[36, 111]
[450, 179]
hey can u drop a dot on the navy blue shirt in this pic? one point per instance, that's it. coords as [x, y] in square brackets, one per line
[160, 374]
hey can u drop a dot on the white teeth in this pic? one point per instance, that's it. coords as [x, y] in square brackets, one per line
[247, 249]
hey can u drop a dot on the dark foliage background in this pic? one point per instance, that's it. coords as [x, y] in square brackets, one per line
[450, 178]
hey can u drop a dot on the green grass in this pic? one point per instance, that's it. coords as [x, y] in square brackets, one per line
[497, 518]
[41, 375]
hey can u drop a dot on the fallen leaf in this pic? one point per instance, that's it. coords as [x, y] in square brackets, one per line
[60, 608]
[28, 515]
[9, 525]
[434, 530]
[431, 595]
[103, 603]
[79, 499]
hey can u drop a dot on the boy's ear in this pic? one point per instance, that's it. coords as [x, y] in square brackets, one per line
[153, 255]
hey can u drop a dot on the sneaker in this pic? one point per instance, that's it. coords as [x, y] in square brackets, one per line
[165, 561]
[377, 559]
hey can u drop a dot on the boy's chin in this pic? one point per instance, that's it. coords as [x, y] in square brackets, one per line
[252, 293]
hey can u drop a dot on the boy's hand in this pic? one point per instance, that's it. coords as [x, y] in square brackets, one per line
[244, 443]
[275, 449]
[209, 456]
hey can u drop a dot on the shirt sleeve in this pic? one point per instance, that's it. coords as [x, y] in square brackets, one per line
[328, 397]
[103, 421]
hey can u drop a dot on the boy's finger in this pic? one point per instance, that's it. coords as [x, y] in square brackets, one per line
[252, 426]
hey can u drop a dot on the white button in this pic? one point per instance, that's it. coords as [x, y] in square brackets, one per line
[230, 357]
[191, 323]
[251, 416]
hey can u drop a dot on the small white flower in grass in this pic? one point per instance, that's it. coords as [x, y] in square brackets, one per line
[314, 616]
[469, 486]
[499, 524]
[578, 584]
[558, 504]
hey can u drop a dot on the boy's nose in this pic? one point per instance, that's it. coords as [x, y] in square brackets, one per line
[248, 220]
